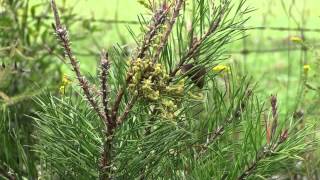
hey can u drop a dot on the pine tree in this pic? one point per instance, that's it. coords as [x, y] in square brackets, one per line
[170, 109]
[26, 70]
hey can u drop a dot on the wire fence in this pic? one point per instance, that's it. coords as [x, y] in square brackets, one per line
[245, 51]
[247, 47]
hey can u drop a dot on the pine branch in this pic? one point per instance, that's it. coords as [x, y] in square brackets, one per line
[248, 172]
[196, 44]
[63, 36]
[113, 117]
[215, 134]
[268, 150]
[158, 19]
[166, 35]
[105, 164]
[127, 110]
[241, 107]
[163, 42]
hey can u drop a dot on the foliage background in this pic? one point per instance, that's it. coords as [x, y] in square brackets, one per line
[278, 73]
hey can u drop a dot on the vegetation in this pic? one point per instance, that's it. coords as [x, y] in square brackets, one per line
[171, 106]
[27, 48]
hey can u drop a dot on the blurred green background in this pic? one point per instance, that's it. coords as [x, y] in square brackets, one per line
[273, 61]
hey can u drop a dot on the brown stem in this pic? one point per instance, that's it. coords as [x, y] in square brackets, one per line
[6, 174]
[105, 65]
[274, 107]
[56, 14]
[215, 134]
[105, 164]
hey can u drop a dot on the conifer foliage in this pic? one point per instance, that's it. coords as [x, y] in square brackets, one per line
[169, 109]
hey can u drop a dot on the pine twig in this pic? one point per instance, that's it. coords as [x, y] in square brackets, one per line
[252, 167]
[274, 107]
[166, 35]
[105, 164]
[105, 66]
[158, 19]
[267, 151]
[196, 44]
[215, 134]
[241, 107]
[127, 110]
[268, 148]
[118, 99]
[63, 36]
